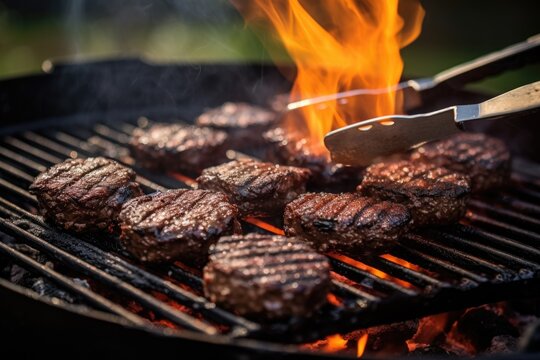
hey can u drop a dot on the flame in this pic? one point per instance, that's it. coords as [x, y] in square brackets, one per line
[335, 343]
[361, 345]
[339, 45]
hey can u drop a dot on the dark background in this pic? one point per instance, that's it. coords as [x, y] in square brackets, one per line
[32, 31]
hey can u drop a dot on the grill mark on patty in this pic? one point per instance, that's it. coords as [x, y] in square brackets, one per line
[166, 210]
[242, 244]
[277, 264]
[254, 271]
[200, 214]
[108, 171]
[376, 210]
[335, 209]
[74, 180]
[153, 205]
[250, 177]
[420, 175]
[85, 195]
[63, 168]
[272, 283]
[303, 199]
[361, 212]
[315, 203]
[250, 252]
[289, 280]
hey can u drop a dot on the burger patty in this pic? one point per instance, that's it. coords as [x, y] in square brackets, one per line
[176, 224]
[85, 195]
[266, 277]
[178, 147]
[348, 223]
[433, 194]
[293, 149]
[484, 159]
[243, 123]
[257, 188]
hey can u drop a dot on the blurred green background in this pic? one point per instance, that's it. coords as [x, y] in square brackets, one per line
[32, 31]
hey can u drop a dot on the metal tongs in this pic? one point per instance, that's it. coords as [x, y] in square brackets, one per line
[419, 91]
[363, 142]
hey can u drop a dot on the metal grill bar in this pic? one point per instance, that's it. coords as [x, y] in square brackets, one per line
[346, 290]
[91, 297]
[504, 242]
[458, 256]
[178, 272]
[459, 260]
[16, 172]
[175, 271]
[359, 275]
[418, 279]
[126, 271]
[504, 226]
[492, 253]
[509, 214]
[439, 264]
[168, 312]
[519, 205]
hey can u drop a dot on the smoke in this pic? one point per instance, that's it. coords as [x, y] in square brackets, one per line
[73, 25]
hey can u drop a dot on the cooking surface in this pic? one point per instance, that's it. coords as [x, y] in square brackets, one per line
[490, 256]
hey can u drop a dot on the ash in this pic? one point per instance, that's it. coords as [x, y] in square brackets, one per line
[22, 277]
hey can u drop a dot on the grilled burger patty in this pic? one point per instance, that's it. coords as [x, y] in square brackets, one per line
[257, 188]
[243, 123]
[176, 224]
[85, 195]
[484, 159]
[433, 194]
[178, 147]
[348, 223]
[266, 277]
[293, 149]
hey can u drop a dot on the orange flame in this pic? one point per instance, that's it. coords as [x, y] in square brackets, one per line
[339, 45]
[361, 345]
[335, 343]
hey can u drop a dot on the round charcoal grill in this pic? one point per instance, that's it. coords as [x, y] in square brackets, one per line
[89, 109]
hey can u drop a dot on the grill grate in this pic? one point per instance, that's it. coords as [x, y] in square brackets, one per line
[492, 255]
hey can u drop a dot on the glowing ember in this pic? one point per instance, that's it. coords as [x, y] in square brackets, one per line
[185, 179]
[378, 273]
[361, 345]
[339, 45]
[264, 225]
[335, 343]
[332, 299]
[401, 262]
[428, 329]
